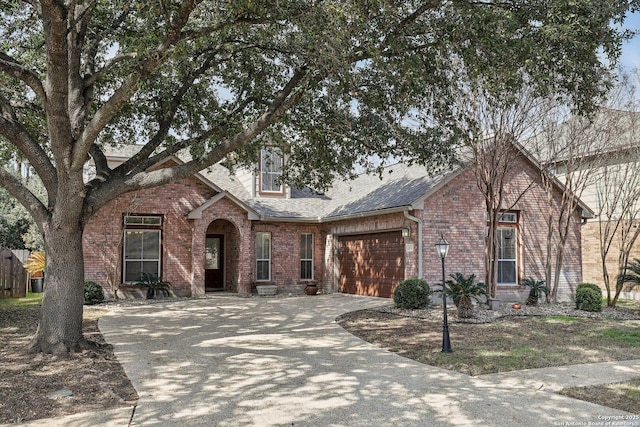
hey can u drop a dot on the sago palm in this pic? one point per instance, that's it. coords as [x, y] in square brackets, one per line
[632, 276]
[536, 289]
[462, 290]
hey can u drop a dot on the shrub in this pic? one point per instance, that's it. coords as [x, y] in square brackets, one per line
[412, 293]
[155, 285]
[588, 297]
[590, 286]
[463, 290]
[93, 292]
[536, 289]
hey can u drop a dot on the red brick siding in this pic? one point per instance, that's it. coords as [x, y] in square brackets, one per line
[285, 252]
[457, 210]
[232, 220]
[103, 233]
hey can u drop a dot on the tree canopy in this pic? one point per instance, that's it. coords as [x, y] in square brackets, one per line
[331, 82]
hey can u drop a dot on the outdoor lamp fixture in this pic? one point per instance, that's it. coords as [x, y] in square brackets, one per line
[443, 247]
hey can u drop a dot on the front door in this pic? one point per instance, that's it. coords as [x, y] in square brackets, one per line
[214, 263]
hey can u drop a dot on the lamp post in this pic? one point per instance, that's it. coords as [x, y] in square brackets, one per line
[443, 247]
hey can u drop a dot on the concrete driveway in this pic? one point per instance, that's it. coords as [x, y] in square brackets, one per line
[229, 361]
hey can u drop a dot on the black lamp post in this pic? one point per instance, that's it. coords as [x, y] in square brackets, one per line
[443, 247]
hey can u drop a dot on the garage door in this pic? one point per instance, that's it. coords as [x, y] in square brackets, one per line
[371, 264]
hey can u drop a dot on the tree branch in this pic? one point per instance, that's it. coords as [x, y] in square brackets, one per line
[95, 77]
[288, 96]
[26, 198]
[151, 63]
[15, 69]
[17, 134]
[411, 18]
[137, 160]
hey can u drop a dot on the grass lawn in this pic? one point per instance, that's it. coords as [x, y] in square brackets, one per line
[31, 300]
[626, 303]
[513, 343]
[624, 396]
[34, 301]
[508, 344]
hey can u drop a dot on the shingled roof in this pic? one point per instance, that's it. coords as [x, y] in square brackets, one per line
[400, 186]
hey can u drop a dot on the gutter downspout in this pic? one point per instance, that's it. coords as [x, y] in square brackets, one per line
[419, 222]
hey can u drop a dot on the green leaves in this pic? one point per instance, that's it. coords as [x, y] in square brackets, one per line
[464, 287]
[382, 77]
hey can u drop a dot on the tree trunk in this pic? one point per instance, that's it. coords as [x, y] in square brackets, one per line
[606, 279]
[558, 268]
[465, 307]
[547, 266]
[60, 328]
[491, 253]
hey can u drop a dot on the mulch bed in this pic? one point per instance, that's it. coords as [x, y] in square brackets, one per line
[35, 386]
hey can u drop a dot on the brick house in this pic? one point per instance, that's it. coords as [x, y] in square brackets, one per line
[216, 231]
[612, 158]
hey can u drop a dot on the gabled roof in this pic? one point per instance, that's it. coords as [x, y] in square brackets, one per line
[609, 131]
[400, 187]
[587, 212]
[197, 212]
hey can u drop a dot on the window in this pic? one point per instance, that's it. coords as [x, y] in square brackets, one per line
[509, 217]
[507, 256]
[141, 247]
[306, 256]
[271, 160]
[507, 235]
[263, 256]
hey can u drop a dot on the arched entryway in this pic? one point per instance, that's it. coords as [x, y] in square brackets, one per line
[222, 251]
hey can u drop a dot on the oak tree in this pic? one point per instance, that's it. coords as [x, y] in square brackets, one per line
[332, 82]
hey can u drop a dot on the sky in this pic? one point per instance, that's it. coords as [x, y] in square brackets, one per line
[631, 49]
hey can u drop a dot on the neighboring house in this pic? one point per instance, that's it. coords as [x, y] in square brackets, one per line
[613, 159]
[216, 231]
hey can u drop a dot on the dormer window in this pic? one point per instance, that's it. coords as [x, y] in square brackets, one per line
[271, 161]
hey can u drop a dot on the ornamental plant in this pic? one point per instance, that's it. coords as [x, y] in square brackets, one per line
[463, 290]
[588, 297]
[34, 265]
[412, 294]
[93, 292]
[536, 289]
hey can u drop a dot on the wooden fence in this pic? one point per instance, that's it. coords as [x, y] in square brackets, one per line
[13, 277]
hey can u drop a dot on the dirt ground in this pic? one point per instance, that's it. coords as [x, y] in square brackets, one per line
[514, 343]
[506, 344]
[34, 386]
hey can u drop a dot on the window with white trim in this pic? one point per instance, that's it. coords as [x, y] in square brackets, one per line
[141, 247]
[263, 256]
[507, 256]
[306, 256]
[508, 248]
[271, 161]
